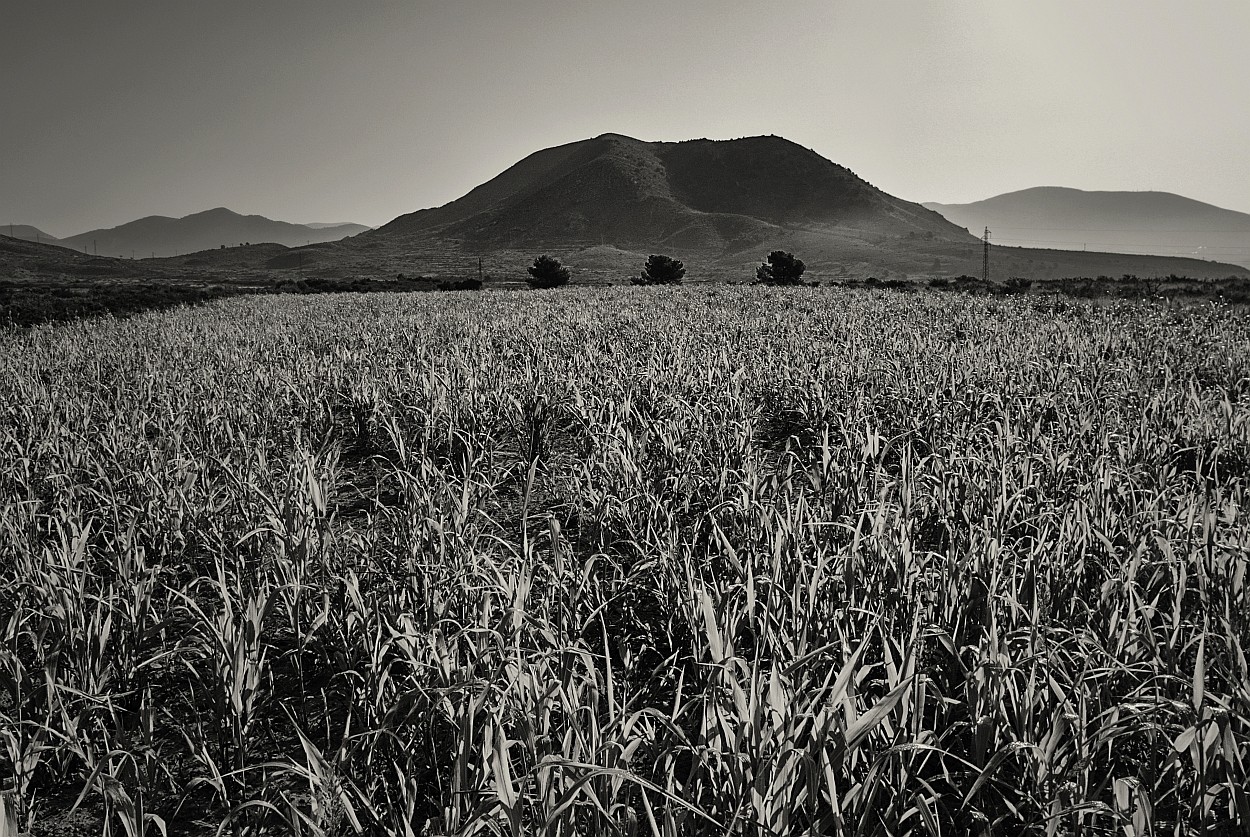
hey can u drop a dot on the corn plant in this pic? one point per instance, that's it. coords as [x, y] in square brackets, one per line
[656, 561]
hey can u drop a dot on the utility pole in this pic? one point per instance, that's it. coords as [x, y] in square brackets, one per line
[985, 256]
[95, 246]
[479, 269]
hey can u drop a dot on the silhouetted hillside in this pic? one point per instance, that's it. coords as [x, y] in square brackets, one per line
[165, 236]
[20, 257]
[602, 204]
[1155, 223]
[701, 194]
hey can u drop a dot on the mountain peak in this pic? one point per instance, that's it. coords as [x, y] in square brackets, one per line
[706, 194]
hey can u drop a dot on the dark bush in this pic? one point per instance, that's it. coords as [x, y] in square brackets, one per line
[782, 268]
[468, 284]
[661, 270]
[547, 272]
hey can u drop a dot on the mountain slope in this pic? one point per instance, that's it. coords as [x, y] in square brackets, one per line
[165, 236]
[352, 229]
[603, 204]
[702, 194]
[20, 254]
[1154, 223]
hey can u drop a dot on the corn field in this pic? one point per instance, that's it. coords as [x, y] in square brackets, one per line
[692, 561]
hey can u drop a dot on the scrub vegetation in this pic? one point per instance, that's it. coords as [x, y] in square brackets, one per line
[547, 272]
[661, 270]
[694, 560]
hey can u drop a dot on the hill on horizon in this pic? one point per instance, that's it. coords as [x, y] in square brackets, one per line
[718, 195]
[603, 204]
[164, 236]
[1151, 223]
[25, 232]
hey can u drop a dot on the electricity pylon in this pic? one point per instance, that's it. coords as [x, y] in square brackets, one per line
[985, 256]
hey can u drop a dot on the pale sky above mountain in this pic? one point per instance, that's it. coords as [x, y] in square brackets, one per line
[311, 110]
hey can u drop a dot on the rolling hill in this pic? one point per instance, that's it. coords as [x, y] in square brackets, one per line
[1153, 223]
[163, 236]
[25, 232]
[602, 204]
[699, 194]
[22, 258]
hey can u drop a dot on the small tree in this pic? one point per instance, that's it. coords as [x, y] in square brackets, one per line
[782, 268]
[547, 272]
[661, 270]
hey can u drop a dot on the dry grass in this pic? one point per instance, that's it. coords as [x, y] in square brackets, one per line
[671, 561]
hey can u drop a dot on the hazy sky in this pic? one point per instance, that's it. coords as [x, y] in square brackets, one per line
[329, 110]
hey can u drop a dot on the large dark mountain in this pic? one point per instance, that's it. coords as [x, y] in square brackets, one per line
[1155, 223]
[602, 204]
[698, 195]
[163, 236]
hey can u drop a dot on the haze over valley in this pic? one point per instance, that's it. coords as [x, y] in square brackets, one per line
[1157, 223]
[162, 236]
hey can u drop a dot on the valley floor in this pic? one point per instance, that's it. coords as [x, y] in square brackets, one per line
[702, 560]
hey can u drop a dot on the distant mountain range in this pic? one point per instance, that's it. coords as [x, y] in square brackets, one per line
[1154, 223]
[602, 205]
[162, 236]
